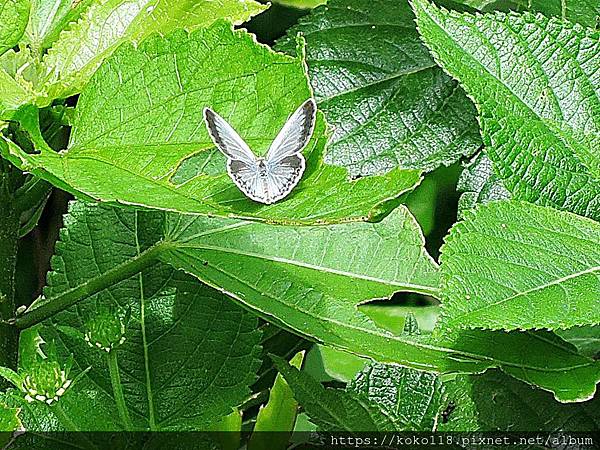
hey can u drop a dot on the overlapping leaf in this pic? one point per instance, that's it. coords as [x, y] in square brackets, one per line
[334, 409]
[411, 398]
[189, 354]
[479, 184]
[495, 402]
[141, 119]
[14, 15]
[535, 83]
[48, 18]
[513, 265]
[66, 40]
[288, 276]
[388, 103]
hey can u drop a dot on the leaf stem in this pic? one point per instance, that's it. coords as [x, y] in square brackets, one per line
[115, 380]
[40, 312]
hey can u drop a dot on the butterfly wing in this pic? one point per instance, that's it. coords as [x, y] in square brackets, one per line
[284, 161]
[242, 165]
[226, 138]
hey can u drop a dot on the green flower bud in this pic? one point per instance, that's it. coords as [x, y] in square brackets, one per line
[46, 382]
[106, 330]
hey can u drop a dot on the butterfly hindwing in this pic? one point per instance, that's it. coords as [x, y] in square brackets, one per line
[272, 178]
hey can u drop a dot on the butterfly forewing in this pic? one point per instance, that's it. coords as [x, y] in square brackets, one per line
[269, 179]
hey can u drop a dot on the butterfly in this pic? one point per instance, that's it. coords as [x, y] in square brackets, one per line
[270, 178]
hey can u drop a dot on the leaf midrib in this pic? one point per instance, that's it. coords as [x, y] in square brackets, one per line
[378, 333]
[423, 289]
[556, 282]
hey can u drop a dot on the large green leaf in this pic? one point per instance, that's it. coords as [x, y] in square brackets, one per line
[79, 51]
[536, 84]
[586, 12]
[189, 354]
[81, 34]
[311, 279]
[14, 15]
[513, 265]
[140, 121]
[388, 103]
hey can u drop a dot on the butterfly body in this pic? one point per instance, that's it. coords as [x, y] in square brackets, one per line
[270, 178]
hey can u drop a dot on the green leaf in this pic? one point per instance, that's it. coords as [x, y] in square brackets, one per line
[513, 265]
[48, 18]
[78, 52]
[585, 12]
[178, 76]
[496, 402]
[279, 415]
[479, 184]
[14, 15]
[410, 397]
[382, 93]
[69, 39]
[9, 422]
[189, 354]
[333, 409]
[586, 339]
[335, 364]
[282, 275]
[535, 101]
[301, 4]
[539, 358]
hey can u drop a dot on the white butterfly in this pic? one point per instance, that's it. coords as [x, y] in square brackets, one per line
[268, 179]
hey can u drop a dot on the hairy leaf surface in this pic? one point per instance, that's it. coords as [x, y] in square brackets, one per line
[536, 84]
[388, 103]
[189, 354]
[479, 184]
[334, 409]
[141, 119]
[585, 12]
[513, 265]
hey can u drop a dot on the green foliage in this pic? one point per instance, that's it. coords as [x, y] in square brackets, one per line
[9, 421]
[177, 166]
[334, 409]
[184, 344]
[168, 301]
[532, 120]
[585, 12]
[278, 414]
[14, 15]
[496, 402]
[66, 40]
[382, 93]
[381, 397]
[479, 184]
[512, 265]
